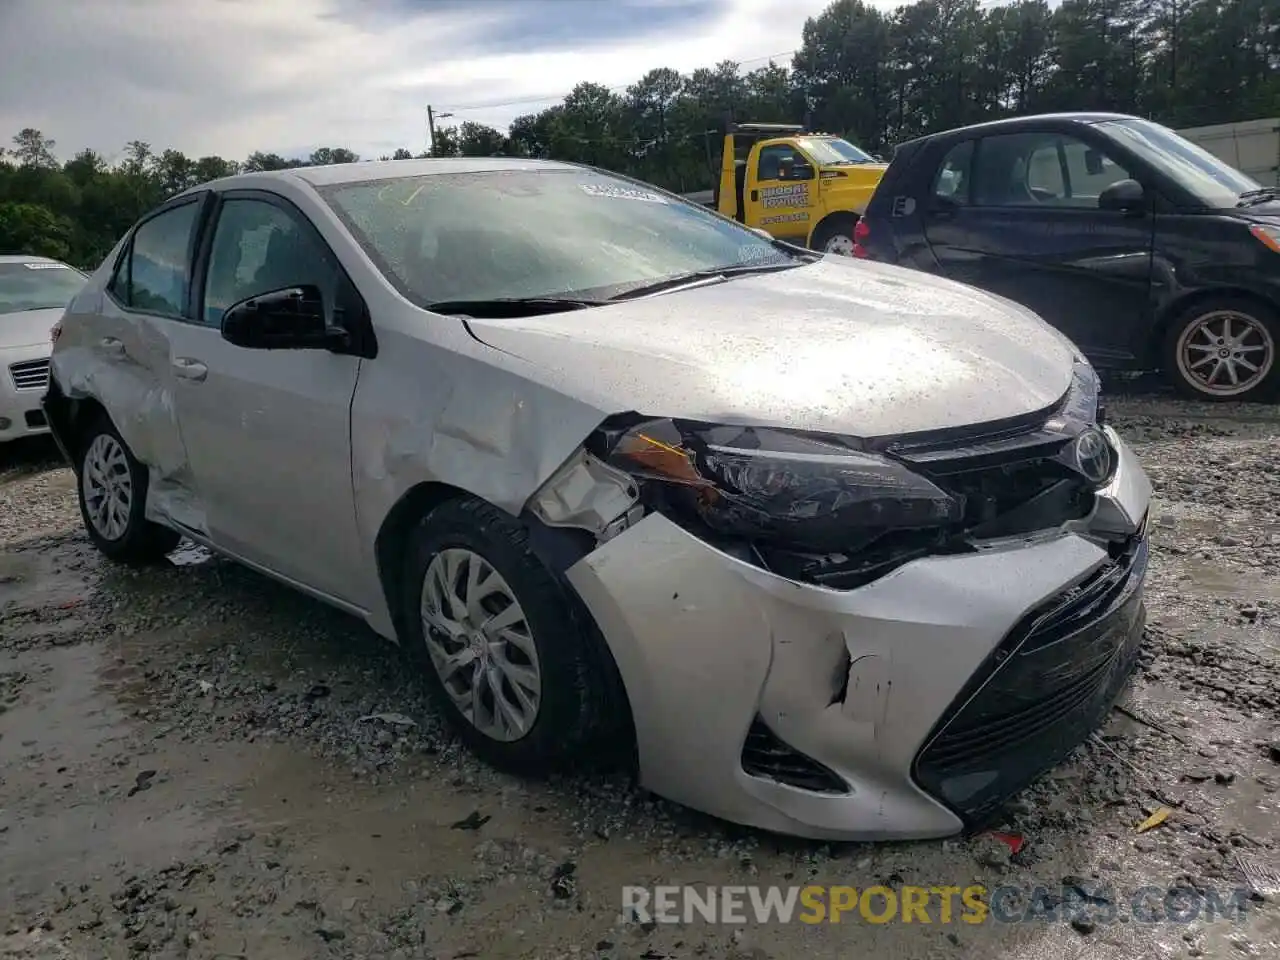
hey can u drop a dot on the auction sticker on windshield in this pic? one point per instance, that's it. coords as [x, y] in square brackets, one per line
[621, 193]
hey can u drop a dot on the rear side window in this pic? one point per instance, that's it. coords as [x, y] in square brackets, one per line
[952, 178]
[154, 275]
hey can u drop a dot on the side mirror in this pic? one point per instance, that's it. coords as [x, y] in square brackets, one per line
[1126, 196]
[801, 171]
[288, 319]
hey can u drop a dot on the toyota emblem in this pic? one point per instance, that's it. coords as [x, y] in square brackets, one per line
[1093, 455]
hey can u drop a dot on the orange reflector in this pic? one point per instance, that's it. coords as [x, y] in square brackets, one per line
[1268, 236]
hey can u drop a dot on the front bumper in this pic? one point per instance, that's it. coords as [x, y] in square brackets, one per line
[24, 375]
[885, 710]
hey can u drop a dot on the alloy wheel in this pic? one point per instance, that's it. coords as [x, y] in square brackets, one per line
[108, 487]
[480, 644]
[1225, 353]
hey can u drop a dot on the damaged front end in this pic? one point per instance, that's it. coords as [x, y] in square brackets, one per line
[838, 512]
[796, 615]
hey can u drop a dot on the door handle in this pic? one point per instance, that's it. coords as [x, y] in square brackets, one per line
[189, 369]
[755, 195]
[111, 346]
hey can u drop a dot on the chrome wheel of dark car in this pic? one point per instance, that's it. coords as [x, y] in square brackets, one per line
[1224, 351]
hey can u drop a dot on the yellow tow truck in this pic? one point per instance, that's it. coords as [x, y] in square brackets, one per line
[803, 187]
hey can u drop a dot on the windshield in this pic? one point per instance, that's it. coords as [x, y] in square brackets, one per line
[37, 285]
[832, 151]
[536, 233]
[1195, 169]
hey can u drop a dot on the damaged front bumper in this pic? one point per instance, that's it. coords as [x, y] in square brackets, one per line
[906, 708]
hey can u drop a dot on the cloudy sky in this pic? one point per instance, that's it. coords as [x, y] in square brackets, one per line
[231, 76]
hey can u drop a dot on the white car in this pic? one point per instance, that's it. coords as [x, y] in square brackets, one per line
[33, 293]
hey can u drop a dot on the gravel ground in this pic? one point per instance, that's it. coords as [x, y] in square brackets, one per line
[197, 762]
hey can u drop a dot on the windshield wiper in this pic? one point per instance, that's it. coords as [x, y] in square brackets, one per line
[716, 273]
[497, 308]
[1250, 197]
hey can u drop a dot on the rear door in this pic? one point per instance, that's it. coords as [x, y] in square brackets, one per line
[149, 291]
[780, 192]
[1017, 214]
[268, 431]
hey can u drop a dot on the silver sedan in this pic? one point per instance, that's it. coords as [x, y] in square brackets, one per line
[822, 546]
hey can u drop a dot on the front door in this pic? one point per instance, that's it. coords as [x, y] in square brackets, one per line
[1017, 214]
[268, 431]
[779, 194]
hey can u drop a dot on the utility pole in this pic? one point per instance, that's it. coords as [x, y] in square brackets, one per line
[431, 127]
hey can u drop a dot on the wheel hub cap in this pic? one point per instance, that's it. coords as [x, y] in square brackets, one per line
[1225, 353]
[107, 486]
[480, 645]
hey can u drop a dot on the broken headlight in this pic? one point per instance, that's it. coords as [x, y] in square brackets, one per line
[776, 486]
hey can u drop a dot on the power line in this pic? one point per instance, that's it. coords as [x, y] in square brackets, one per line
[530, 101]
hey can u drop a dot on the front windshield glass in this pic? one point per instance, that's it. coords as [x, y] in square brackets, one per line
[1199, 172]
[536, 233]
[37, 285]
[829, 151]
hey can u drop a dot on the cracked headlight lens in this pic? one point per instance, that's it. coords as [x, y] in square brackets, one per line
[770, 484]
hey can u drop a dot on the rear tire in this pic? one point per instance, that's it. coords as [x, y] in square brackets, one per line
[1217, 340]
[835, 235]
[112, 486]
[523, 678]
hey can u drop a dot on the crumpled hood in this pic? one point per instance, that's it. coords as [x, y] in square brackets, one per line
[839, 346]
[28, 328]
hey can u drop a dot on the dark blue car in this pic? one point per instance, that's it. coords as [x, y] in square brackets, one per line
[1146, 250]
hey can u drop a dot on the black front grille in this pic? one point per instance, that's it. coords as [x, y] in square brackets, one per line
[1043, 691]
[767, 757]
[1010, 483]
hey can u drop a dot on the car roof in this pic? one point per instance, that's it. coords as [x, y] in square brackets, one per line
[367, 170]
[25, 258]
[1014, 124]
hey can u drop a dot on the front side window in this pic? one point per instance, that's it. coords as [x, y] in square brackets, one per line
[782, 161]
[158, 278]
[536, 233]
[37, 285]
[1043, 170]
[1213, 182]
[259, 247]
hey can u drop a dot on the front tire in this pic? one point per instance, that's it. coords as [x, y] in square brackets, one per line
[504, 648]
[835, 235]
[1224, 349]
[112, 485]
